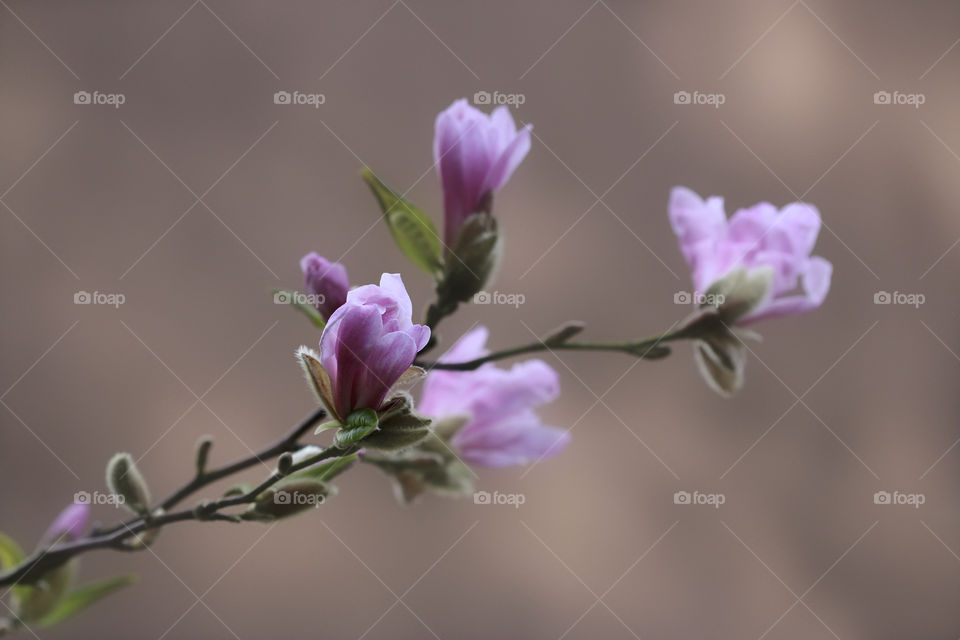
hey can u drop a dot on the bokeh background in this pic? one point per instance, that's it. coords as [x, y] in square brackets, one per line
[198, 196]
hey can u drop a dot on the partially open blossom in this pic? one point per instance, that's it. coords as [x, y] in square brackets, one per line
[501, 427]
[475, 154]
[758, 237]
[368, 343]
[70, 524]
[326, 281]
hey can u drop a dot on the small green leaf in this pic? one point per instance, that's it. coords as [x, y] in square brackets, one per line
[326, 426]
[327, 470]
[84, 596]
[11, 554]
[412, 229]
[356, 427]
[297, 300]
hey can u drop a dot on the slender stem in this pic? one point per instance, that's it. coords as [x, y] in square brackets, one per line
[201, 480]
[34, 567]
[436, 313]
[649, 348]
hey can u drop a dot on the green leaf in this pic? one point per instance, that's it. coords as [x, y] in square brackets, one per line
[412, 229]
[327, 470]
[356, 427]
[11, 554]
[84, 596]
[326, 426]
[297, 300]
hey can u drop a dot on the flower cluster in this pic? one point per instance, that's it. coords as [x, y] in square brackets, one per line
[757, 265]
[370, 357]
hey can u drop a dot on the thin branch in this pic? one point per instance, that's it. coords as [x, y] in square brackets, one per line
[649, 349]
[42, 561]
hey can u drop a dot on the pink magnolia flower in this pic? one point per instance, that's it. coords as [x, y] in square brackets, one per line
[325, 280]
[760, 236]
[475, 154]
[70, 524]
[369, 342]
[502, 428]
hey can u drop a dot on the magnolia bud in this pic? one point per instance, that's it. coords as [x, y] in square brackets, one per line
[203, 453]
[125, 481]
[284, 462]
[563, 333]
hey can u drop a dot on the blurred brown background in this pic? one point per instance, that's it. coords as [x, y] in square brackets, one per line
[851, 400]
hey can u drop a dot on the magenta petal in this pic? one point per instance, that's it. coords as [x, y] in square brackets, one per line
[502, 428]
[369, 342]
[509, 159]
[390, 357]
[521, 439]
[327, 281]
[816, 285]
[475, 154]
[695, 221]
[356, 336]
